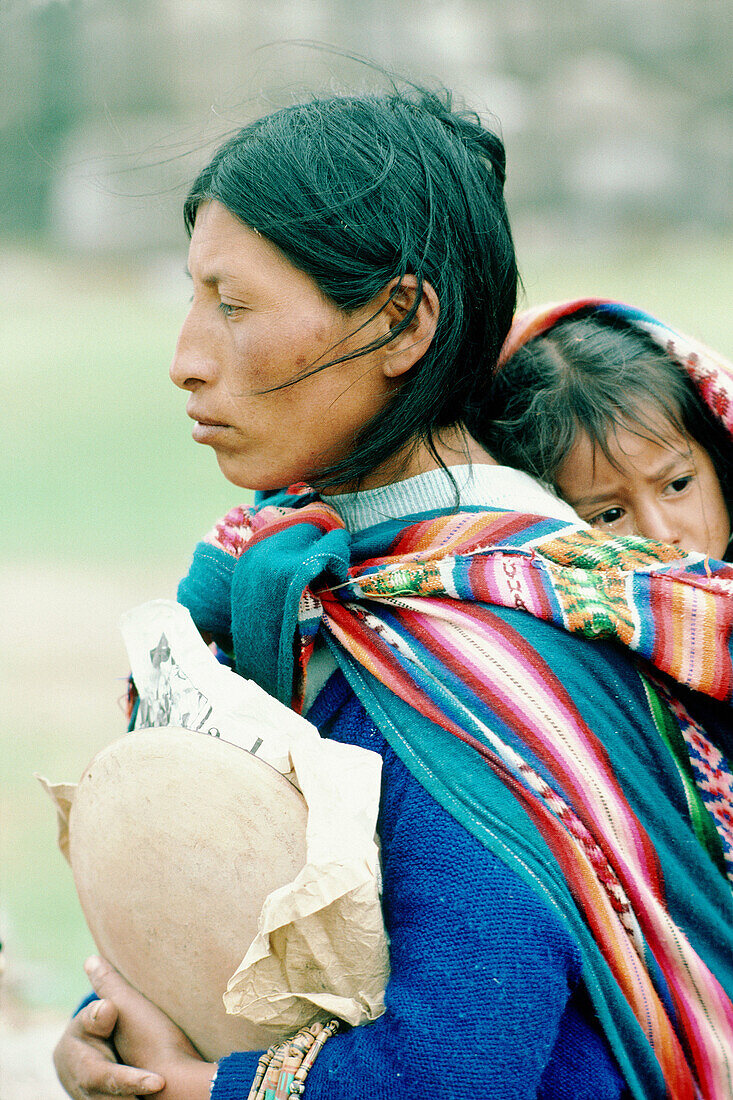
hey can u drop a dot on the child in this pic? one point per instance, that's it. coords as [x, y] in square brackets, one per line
[628, 420]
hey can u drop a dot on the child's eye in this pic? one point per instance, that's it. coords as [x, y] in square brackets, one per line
[611, 515]
[680, 483]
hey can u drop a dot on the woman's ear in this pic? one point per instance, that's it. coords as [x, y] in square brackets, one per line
[410, 345]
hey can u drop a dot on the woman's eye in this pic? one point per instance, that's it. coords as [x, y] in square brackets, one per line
[229, 310]
[680, 483]
[611, 515]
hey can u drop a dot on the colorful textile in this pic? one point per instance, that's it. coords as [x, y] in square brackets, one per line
[663, 603]
[407, 611]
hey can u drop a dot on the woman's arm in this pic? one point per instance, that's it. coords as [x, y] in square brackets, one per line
[485, 996]
[482, 999]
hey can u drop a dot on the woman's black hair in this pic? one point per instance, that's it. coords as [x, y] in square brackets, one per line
[592, 373]
[360, 190]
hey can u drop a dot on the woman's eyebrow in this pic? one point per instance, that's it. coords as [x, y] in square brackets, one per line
[208, 280]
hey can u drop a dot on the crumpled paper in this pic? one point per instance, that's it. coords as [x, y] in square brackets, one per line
[321, 946]
[321, 940]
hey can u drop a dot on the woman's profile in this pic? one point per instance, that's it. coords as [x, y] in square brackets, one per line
[557, 885]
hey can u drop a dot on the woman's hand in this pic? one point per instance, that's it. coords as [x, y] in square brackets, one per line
[86, 1062]
[146, 1040]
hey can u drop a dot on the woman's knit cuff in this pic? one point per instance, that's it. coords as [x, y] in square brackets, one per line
[234, 1075]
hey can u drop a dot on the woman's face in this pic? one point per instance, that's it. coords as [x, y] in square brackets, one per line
[663, 487]
[256, 322]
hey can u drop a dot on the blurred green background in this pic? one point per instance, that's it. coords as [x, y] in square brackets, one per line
[618, 132]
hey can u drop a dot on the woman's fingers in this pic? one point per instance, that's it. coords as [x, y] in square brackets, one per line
[99, 1079]
[85, 1058]
[89, 1072]
[99, 1018]
[106, 981]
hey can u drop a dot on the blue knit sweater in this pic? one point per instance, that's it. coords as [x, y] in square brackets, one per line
[485, 997]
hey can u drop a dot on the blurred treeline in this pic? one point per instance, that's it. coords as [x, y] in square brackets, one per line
[616, 113]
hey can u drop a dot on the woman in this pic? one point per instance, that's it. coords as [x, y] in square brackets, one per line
[354, 279]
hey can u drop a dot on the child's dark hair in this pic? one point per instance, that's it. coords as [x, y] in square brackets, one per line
[360, 190]
[590, 373]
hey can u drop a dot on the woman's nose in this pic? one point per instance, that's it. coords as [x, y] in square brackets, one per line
[193, 360]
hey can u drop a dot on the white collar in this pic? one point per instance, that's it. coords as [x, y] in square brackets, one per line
[479, 485]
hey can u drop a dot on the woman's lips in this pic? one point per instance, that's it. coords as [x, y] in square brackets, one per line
[206, 431]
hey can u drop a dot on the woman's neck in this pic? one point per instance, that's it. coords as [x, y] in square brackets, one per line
[453, 446]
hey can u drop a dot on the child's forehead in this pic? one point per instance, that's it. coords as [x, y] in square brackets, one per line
[644, 431]
[633, 430]
[652, 446]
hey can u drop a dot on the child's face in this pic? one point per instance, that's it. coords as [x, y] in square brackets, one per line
[664, 488]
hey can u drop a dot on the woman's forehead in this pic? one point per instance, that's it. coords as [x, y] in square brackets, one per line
[223, 248]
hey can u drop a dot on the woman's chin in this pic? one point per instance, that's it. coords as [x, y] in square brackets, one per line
[249, 477]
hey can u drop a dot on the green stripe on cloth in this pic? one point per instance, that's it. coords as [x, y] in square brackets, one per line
[701, 819]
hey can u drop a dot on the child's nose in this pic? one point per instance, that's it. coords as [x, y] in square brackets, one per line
[653, 522]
